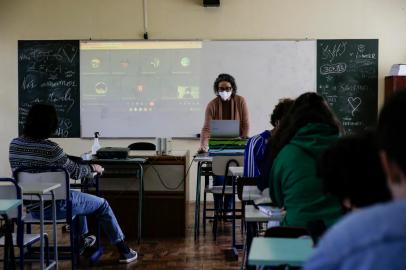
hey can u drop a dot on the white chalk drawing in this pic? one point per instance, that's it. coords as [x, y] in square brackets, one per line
[330, 53]
[354, 102]
[333, 68]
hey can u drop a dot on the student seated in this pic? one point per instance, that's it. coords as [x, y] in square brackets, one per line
[308, 129]
[33, 149]
[254, 153]
[374, 237]
[351, 170]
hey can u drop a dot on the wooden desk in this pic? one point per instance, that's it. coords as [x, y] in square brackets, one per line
[280, 251]
[163, 205]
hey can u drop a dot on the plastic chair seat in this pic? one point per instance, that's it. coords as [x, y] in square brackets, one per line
[31, 220]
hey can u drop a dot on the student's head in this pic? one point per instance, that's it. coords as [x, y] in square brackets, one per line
[225, 83]
[280, 111]
[41, 121]
[307, 108]
[351, 170]
[392, 143]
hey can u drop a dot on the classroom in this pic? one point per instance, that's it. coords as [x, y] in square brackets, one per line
[185, 20]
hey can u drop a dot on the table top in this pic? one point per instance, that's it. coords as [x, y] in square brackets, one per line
[280, 251]
[236, 171]
[254, 215]
[39, 188]
[8, 205]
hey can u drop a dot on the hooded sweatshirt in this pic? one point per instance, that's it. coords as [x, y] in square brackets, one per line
[294, 184]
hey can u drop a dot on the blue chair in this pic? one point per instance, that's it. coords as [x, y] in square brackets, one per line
[9, 189]
[27, 175]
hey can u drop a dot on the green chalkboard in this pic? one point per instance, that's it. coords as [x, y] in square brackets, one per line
[347, 77]
[48, 71]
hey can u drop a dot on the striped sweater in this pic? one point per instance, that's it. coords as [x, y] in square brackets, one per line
[27, 152]
[254, 153]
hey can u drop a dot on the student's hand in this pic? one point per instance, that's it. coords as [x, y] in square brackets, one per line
[97, 168]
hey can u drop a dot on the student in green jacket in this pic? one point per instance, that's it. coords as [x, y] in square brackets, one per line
[308, 129]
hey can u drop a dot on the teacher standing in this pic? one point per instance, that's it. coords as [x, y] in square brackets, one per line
[227, 105]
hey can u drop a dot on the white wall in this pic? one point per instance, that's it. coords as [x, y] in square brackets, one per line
[187, 19]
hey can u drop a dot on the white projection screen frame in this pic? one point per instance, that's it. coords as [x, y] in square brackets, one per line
[140, 89]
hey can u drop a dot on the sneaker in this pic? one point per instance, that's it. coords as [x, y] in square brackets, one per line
[86, 243]
[129, 256]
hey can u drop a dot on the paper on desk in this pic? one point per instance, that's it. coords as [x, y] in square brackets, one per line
[270, 211]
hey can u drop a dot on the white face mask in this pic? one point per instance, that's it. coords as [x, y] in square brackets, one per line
[225, 95]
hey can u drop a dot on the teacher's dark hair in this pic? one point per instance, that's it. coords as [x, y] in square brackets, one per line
[41, 121]
[223, 77]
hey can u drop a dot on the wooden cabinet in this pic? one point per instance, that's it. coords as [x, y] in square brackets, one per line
[164, 200]
[393, 84]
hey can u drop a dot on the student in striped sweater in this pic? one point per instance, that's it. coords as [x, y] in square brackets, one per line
[33, 149]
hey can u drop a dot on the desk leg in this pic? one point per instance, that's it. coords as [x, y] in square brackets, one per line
[8, 256]
[41, 231]
[140, 200]
[98, 234]
[233, 200]
[197, 202]
[54, 228]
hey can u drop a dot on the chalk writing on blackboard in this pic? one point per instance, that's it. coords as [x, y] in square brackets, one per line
[48, 71]
[347, 78]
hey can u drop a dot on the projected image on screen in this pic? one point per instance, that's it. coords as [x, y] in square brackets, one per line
[161, 88]
[129, 84]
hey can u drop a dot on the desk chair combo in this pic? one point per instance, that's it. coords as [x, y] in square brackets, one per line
[220, 167]
[28, 176]
[10, 190]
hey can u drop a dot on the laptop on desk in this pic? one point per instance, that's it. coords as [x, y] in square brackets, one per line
[224, 128]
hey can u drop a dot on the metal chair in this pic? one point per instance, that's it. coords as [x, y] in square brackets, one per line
[9, 189]
[220, 165]
[26, 175]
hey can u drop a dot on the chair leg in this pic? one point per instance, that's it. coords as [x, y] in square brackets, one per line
[77, 241]
[72, 245]
[22, 255]
[204, 211]
[46, 250]
[242, 218]
[215, 220]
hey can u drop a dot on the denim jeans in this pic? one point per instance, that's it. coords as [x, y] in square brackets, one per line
[218, 203]
[84, 204]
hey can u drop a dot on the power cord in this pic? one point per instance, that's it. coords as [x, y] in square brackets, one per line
[163, 182]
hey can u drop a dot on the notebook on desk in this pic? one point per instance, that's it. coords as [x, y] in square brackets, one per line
[224, 128]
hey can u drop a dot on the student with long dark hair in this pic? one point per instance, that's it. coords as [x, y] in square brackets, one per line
[33, 149]
[307, 130]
